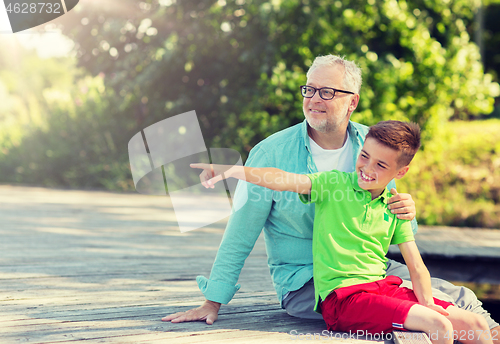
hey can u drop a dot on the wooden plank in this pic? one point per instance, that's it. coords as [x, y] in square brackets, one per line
[105, 267]
[85, 328]
[242, 304]
[402, 337]
[68, 279]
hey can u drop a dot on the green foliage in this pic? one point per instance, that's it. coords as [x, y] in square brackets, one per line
[28, 85]
[58, 127]
[239, 64]
[455, 181]
[491, 38]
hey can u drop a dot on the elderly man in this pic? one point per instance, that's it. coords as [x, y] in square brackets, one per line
[325, 140]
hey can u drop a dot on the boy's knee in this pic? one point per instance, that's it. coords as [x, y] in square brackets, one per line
[442, 325]
[421, 318]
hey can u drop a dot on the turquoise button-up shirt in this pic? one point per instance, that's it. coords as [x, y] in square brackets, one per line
[287, 222]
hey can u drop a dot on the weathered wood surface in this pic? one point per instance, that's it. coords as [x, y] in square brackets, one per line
[105, 267]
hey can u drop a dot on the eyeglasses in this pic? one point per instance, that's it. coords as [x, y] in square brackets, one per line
[325, 93]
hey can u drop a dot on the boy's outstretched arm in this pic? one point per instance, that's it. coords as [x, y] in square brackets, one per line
[420, 276]
[269, 177]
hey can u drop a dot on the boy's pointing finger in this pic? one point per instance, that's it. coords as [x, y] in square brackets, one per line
[206, 167]
[199, 165]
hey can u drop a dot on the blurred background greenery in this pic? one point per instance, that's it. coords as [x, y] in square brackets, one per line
[66, 121]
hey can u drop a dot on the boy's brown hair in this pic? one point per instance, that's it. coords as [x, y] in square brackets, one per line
[401, 136]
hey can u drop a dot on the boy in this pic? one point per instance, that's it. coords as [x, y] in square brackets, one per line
[352, 233]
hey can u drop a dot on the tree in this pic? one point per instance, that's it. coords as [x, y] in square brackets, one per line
[239, 65]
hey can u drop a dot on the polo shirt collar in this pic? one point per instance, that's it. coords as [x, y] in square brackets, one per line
[354, 132]
[305, 135]
[386, 194]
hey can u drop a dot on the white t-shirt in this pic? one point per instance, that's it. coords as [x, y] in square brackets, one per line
[333, 159]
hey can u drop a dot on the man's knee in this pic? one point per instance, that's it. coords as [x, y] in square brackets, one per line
[300, 303]
[466, 298]
[303, 313]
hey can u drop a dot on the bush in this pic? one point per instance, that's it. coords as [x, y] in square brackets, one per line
[456, 180]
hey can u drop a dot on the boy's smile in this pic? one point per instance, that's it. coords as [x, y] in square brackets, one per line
[376, 166]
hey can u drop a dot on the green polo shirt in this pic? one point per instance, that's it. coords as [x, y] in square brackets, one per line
[352, 232]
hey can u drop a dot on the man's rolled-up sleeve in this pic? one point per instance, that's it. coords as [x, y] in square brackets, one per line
[242, 231]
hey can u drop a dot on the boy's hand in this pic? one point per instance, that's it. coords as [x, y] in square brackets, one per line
[438, 309]
[211, 173]
[403, 205]
[208, 312]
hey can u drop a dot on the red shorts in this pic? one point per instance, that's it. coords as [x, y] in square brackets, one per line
[377, 307]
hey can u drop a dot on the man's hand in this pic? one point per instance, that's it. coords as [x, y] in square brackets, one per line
[403, 205]
[208, 311]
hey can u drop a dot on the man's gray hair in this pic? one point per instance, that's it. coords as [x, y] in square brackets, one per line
[352, 77]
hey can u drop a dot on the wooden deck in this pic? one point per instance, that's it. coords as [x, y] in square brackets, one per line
[100, 267]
